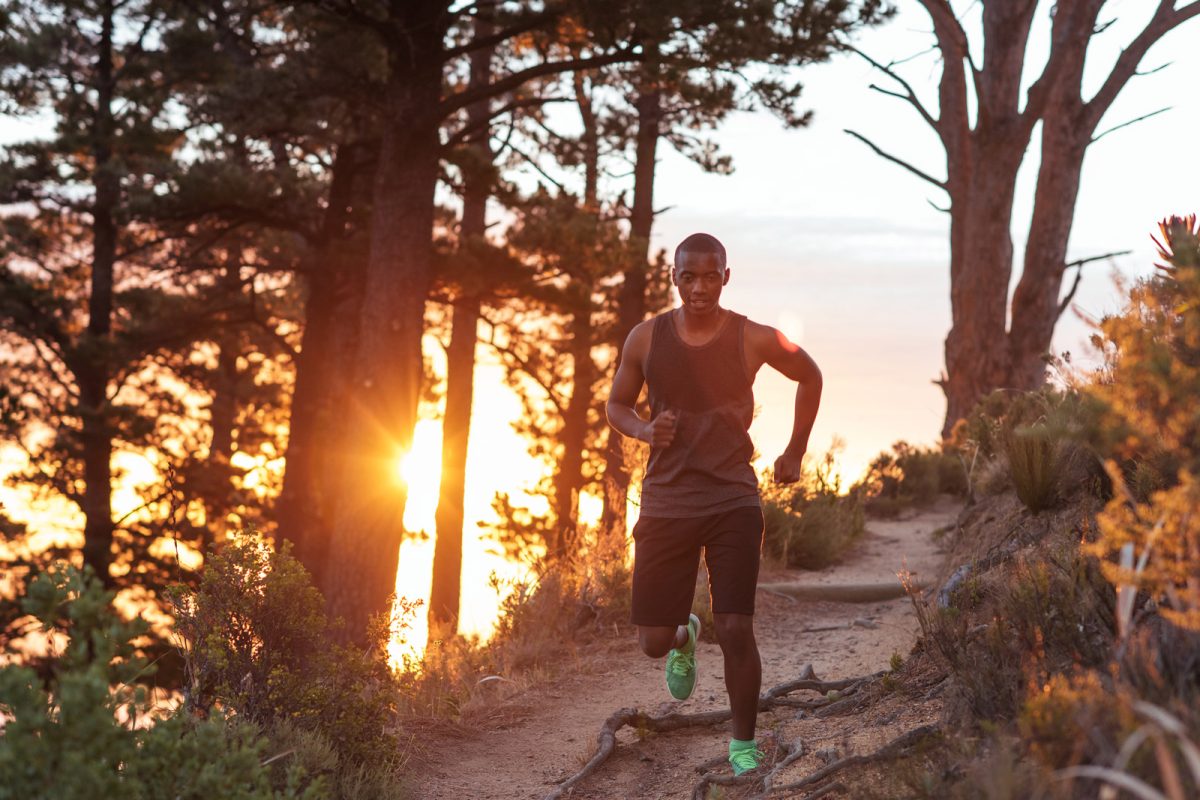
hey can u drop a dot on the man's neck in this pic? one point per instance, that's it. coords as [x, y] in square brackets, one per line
[707, 321]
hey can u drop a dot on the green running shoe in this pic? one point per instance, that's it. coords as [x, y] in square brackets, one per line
[745, 758]
[681, 663]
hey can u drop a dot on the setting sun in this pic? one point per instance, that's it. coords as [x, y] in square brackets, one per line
[420, 469]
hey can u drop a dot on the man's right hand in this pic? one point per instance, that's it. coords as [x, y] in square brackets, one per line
[660, 431]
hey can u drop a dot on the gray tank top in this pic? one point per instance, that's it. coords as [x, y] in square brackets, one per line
[706, 468]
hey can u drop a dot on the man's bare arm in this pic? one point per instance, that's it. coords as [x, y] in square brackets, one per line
[790, 360]
[627, 385]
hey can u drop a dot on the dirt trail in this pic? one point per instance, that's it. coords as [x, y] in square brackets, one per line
[555, 729]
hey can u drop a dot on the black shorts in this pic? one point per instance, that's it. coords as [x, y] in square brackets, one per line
[666, 556]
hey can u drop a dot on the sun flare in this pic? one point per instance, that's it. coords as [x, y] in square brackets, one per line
[420, 469]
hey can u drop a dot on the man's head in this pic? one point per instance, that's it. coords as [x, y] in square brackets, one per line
[700, 272]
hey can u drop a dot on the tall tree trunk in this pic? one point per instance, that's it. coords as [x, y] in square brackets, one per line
[982, 159]
[368, 521]
[569, 481]
[1066, 133]
[330, 326]
[218, 482]
[980, 269]
[446, 589]
[632, 297]
[96, 436]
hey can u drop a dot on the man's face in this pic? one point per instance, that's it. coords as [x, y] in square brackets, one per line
[699, 278]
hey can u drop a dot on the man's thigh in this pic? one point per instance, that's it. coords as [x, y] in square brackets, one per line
[666, 557]
[732, 550]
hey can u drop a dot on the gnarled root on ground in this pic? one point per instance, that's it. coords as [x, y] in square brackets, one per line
[773, 698]
[820, 783]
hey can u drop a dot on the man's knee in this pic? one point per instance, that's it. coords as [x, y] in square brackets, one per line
[735, 632]
[656, 641]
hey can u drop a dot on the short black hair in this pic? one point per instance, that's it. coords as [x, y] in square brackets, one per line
[700, 243]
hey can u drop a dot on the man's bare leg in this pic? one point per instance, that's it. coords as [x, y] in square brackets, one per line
[743, 670]
[657, 641]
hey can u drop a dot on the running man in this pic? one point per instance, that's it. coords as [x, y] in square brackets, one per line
[698, 363]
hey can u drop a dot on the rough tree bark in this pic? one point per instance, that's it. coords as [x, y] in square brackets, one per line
[982, 351]
[368, 520]
[94, 372]
[335, 288]
[223, 412]
[445, 592]
[1069, 127]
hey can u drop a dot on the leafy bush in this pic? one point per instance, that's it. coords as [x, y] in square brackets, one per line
[256, 640]
[1045, 616]
[1089, 657]
[909, 476]
[1149, 422]
[77, 730]
[810, 524]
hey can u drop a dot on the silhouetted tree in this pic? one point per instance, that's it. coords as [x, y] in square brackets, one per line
[985, 123]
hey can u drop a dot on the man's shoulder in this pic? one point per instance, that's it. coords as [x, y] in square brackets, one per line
[754, 328]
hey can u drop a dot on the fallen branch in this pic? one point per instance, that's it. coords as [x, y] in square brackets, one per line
[776, 696]
[841, 593]
[892, 750]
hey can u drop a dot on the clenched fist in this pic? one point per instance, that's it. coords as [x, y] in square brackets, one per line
[787, 468]
[660, 431]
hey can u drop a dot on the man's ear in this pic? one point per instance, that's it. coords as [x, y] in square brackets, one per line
[674, 280]
[725, 282]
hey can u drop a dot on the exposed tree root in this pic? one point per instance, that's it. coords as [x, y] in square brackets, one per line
[841, 593]
[817, 781]
[773, 698]
[785, 756]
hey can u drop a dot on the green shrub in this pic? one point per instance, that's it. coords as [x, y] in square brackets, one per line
[256, 640]
[70, 731]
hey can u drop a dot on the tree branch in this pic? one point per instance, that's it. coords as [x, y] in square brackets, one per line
[888, 156]
[776, 696]
[1100, 136]
[1066, 301]
[533, 22]
[954, 121]
[460, 135]
[468, 96]
[1166, 18]
[522, 364]
[909, 96]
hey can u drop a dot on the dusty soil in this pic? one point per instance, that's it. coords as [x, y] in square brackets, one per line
[524, 754]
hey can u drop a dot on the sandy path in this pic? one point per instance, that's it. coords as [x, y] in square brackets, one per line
[556, 732]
